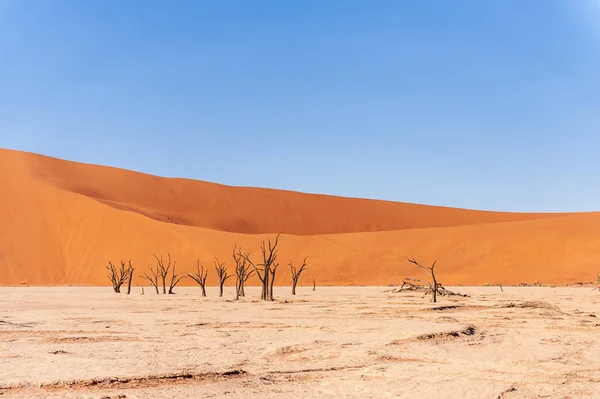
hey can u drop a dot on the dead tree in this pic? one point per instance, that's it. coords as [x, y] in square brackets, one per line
[221, 274]
[263, 270]
[433, 284]
[152, 277]
[242, 272]
[175, 278]
[314, 285]
[117, 276]
[163, 270]
[200, 277]
[296, 275]
[130, 270]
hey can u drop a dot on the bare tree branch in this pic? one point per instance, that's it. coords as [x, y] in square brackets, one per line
[221, 274]
[153, 277]
[296, 274]
[200, 277]
[242, 271]
[175, 278]
[163, 270]
[117, 276]
[266, 270]
[433, 284]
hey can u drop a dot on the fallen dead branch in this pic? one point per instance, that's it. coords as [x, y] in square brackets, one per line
[413, 284]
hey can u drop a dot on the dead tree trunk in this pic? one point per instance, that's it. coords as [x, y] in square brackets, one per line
[152, 277]
[130, 270]
[263, 270]
[296, 275]
[242, 272]
[221, 274]
[314, 285]
[433, 284]
[117, 276]
[163, 270]
[175, 279]
[200, 277]
[272, 281]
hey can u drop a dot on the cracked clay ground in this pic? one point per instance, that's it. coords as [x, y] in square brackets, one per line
[342, 342]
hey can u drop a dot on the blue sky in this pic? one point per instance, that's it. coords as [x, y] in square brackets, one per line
[470, 103]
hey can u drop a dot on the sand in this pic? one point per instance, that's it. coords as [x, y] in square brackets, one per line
[352, 342]
[61, 222]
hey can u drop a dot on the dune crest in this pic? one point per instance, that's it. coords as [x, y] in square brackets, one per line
[62, 221]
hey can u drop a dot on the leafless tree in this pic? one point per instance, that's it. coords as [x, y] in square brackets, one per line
[130, 270]
[314, 284]
[433, 284]
[200, 277]
[221, 274]
[242, 272]
[263, 270]
[152, 277]
[163, 270]
[296, 275]
[117, 276]
[175, 278]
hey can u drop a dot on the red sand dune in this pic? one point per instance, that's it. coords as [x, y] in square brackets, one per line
[60, 223]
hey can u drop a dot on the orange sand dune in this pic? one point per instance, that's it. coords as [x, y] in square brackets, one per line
[243, 209]
[60, 222]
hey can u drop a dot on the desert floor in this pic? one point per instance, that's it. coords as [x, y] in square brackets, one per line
[343, 342]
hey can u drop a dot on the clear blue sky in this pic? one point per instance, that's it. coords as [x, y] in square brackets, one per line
[470, 103]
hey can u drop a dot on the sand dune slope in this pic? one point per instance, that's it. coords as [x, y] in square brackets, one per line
[55, 231]
[243, 209]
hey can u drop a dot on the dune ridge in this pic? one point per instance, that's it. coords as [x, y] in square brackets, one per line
[62, 221]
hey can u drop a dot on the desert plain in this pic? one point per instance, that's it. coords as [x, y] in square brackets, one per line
[342, 342]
